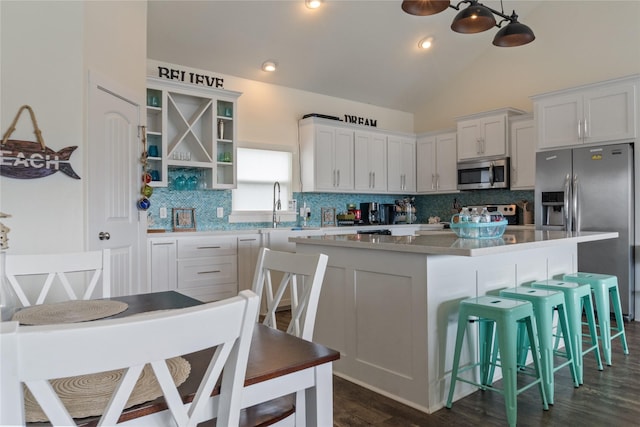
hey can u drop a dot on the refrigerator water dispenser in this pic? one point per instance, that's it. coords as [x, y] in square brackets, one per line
[553, 209]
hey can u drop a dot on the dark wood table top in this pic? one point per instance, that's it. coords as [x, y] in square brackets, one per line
[273, 353]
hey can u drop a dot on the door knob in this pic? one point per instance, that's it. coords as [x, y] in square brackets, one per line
[104, 235]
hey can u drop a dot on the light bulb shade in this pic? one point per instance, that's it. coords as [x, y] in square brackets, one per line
[513, 34]
[473, 19]
[424, 7]
[269, 66]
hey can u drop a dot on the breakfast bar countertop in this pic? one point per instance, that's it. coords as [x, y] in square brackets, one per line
[447, 243]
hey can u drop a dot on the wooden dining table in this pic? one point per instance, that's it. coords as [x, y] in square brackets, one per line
[279, 364]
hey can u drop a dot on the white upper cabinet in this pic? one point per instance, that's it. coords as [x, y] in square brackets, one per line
[370, 162]
[436, 163]
[326, 155]
[597, 113]
[401, 161]
[484, 134]
[523, 153]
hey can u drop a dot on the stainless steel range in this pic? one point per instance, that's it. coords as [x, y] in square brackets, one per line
[508, 211]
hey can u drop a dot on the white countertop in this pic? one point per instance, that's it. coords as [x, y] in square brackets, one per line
[303, 230]
[447, 243]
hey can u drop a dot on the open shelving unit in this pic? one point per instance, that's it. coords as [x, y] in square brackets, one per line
[194, 129]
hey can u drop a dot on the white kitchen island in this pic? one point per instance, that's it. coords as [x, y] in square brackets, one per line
[389, 304]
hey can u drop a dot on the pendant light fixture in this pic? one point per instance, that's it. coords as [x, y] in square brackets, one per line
[424, 7]
[476, 18]
[513, 34]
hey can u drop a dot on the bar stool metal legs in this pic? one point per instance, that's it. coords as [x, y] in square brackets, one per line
[504, 314]
[576, 296]
[543, 302]
[604, 287]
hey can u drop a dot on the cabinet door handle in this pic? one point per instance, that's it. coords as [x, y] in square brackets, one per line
[586, 130]
[248, 240]
[433, 181]
[162, 244]
[579, 129]
[374, 180]
[208, 272]
[437, 181]
[208, 247]
[338, 182]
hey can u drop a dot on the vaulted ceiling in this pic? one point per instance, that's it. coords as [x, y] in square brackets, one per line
[365, 51]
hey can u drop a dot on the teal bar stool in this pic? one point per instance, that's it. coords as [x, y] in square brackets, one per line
[544, 302]
[604, 287]
[503, 314]
[577, 297]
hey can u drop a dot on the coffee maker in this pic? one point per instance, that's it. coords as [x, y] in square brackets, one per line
[370, 213]
[387, 213]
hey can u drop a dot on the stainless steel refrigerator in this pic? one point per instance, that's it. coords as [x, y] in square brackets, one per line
[591, 189]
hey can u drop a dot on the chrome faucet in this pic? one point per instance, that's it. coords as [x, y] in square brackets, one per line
[276, 203]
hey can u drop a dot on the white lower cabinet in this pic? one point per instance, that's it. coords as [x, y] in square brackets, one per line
[248, 250]
[161, 264]
[205, 268]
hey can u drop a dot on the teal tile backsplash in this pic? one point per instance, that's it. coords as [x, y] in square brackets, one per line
[206, 201]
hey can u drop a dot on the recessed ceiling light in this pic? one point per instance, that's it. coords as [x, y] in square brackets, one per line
[269, 66]
[425, 43]
[313, 4]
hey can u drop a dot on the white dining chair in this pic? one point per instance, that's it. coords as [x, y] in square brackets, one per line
[32, 355]
[38, 274]
[302, 275]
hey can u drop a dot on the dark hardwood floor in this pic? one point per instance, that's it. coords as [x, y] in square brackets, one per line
[608, 397]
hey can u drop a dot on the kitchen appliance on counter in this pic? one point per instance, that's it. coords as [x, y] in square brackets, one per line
[509, 212]
[370, 213]
[387, 213]
[591, 189]
[483, 174]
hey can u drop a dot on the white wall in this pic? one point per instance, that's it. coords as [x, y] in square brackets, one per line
[576, 43]
[270, 113]
[47, 48]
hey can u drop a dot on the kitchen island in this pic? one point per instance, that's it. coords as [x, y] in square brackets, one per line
[389, 304]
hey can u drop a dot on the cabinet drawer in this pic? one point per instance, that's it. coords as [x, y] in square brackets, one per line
[212, 293]
[203, 272]
[206, 247]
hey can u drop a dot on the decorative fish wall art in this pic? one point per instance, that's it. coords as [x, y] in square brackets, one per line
[32, 159]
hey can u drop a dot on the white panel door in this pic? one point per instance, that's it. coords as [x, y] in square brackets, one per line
[114, 184]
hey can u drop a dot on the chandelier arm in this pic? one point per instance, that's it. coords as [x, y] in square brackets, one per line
[499, 24]
[495, 12]
[457, 7]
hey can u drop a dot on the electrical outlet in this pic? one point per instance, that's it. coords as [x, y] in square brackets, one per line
[163, 212]
[293, 205]
[220, 212]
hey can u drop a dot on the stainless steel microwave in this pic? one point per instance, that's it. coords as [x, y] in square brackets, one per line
[483, 174]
